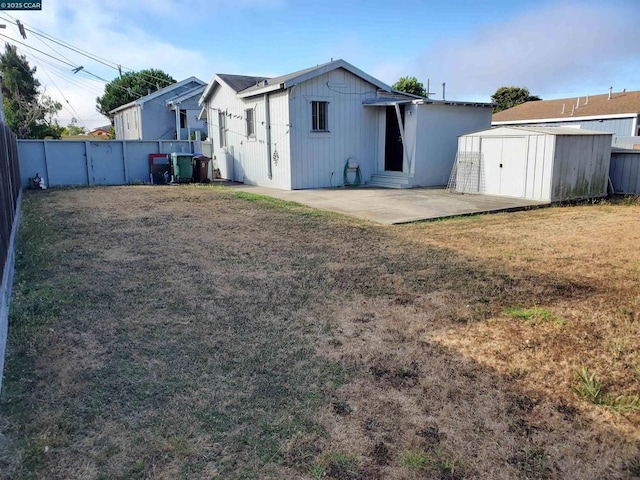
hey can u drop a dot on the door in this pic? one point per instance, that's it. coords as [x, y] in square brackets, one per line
[504, 161]
[393, 151]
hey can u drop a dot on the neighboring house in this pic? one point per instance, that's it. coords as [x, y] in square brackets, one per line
[166, 114]
[615, 112]
[301, 130]
[102, 132]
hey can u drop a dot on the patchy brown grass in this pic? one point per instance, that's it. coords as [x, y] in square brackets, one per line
[190, 332]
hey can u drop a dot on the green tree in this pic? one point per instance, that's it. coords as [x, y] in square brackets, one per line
[130, 87]
[73, 129]
[410, 85]
[507, 97]
[29, 112]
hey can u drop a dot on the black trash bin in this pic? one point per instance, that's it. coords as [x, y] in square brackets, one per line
[201, 169]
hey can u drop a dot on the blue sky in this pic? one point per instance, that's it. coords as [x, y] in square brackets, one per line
[555, 48]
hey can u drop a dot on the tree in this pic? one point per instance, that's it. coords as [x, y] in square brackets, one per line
[507, 97]
[410, 85]
[29, 112]
[130, 87]
[73, 129]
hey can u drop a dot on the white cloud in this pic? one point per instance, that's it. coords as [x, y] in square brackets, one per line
[117, 31]
[554, 49]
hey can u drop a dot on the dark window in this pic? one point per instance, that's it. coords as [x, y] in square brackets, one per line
[319, 113]
[251, 122]
[183, 119]
[222, 125]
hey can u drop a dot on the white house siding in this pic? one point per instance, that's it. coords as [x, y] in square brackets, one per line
[245, 159]
[128, 125]
[581, 166]
[437, 131]
[625, 172]
[318, 159]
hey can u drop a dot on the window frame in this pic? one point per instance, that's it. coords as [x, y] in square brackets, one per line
[250, 122]
[222, 128]
[319, 116]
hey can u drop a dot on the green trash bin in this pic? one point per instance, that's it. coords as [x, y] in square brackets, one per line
[182, 167]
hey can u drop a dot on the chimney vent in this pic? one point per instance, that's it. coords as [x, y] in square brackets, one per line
[610, 90]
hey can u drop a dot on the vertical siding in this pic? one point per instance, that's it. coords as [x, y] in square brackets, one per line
[245, 159]
[438, 129]
[581, 166]
[318, 159]
[625, 172]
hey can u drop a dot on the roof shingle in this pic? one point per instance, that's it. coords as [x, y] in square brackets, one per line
[576, 107]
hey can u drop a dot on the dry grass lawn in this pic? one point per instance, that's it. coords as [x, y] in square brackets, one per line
[194, 332]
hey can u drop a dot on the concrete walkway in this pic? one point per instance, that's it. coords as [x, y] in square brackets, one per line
[391, 206]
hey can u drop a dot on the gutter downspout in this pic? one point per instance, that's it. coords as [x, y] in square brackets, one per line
[177, 110]
[267, 125]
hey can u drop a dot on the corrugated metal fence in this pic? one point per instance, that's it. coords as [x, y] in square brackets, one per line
[110, 162]
[625, 171]
[9, 217]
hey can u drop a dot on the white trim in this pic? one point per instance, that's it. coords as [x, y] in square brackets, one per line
[565, 119]
[158, 93]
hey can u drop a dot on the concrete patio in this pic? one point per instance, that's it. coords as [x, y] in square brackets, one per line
[391, 206]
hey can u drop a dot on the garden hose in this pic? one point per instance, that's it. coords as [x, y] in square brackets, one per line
[352, 166]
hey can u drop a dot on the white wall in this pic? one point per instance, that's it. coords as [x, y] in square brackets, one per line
[437, 139]
[128, 124]
[246, 159]
[318, 159]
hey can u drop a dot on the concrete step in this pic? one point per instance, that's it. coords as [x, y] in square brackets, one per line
[389, 180]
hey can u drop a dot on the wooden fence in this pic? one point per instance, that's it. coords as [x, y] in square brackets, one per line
[9, 218]
[63, 163]
[9, 189]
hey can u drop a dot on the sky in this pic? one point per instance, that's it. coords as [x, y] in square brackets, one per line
[554, 48]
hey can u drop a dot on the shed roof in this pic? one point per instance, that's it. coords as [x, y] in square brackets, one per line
[545, 130]
[621, 104]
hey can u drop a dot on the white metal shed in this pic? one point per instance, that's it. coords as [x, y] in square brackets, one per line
[537, 163]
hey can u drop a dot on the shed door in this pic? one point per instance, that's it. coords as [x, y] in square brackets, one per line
[505, 160]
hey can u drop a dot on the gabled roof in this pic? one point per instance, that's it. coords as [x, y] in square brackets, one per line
[239, 82]
[291, 79]
[192, 92]
[621, 104]
[236, 82]
[158, 93]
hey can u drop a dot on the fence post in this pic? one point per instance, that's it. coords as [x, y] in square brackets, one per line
[46, 163]
[125, 162]
[89, 163]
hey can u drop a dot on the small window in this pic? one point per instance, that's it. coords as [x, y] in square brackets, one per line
[183, 119]
[319, 113]
[251, 122]
[222, 125]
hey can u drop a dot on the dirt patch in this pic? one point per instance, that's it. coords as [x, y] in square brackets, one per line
[187, 332]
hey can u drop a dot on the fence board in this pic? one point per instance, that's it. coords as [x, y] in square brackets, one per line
[73, 163]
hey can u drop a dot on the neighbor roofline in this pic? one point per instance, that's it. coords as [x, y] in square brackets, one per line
[156, 94]
[565, 119]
